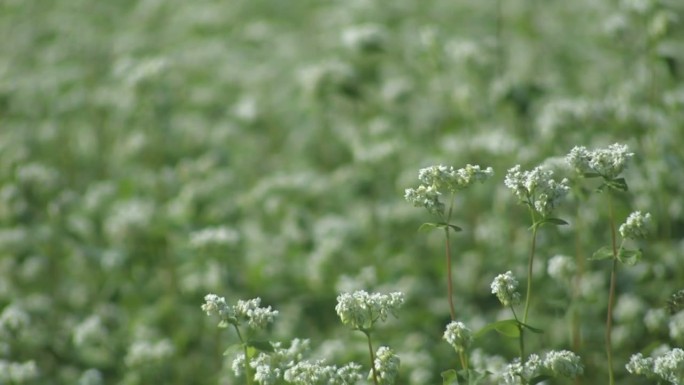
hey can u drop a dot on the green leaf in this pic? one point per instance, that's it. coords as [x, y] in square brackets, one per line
[509, 328]
[449, 377]
[629, 257]
[618, 184]
[428, 226]
[532, 328]
[455, 228]
[603, 253]
[555, 221]
[232, 350]
[264, 346]
[591, 175]
[538, 379]
[473, 376]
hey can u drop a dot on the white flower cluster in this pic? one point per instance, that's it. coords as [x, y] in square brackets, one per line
[270, 368]
[13, 319]
[317, 373]
[386, 365]
[668, 366]
[210, 236]
[536, 188]
[561, 267]
[364, 38]
[636, 226]
[562, 363]
[438, 180]
[458, 335]
[606, 162]
[18, 373]
[257, 317]
[505, 287]
[145, 352]
[361, 310]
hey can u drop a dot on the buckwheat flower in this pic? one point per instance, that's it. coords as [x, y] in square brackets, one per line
[13, 319]
[217, 305]
[91, 377]
[512, 373]
[640, 365]
[364, 38]
[257, 317]
[670, 366]
[563, 363]
[607, 162]
[656, 320]
[505, 287]
[214, 236]
[146, 352]
[348, 374]
[427, 197]
[561, 267]
[361, 310]
[676, 326]
[386, 365]
[269, 368]
[458, 335]
[636, 226]
[317, 373]
[536, 188]
[18, 373]
[439, 180]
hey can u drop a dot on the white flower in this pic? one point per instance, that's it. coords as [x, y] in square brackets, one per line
[361, 310]
[636, 226]
[257, 317]
[505, 287]
[386, 365]
[561, 267]
[537, 188]
[606, 162]
[458, 335]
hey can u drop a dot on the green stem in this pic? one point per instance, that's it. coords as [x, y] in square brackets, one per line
[521, 339]
[464, 360]
[372, 356]
[611, 294]
[450, 285]
[530, 265]
[248, 368]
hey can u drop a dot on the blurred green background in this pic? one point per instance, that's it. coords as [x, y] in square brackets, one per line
[155, 151]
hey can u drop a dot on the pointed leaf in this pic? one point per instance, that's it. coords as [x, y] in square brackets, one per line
[603, 253]
[473, 376]
[539, 379]
[508, 327]
[428, 226]
[618, 184]
[629, 257]
[455, 228]
[264, 346]
[232, 350]
[555, 221]
[449, 377]
[532, 328]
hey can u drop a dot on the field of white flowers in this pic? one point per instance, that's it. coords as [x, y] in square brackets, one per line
[156, 151]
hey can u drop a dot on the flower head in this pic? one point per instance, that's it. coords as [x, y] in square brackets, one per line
[537, 188]
[505, 287]
[438, 180]
[257, 317]
[386, 365]
[361, 310]
[607, 162]
[668, 366]
[636, 226]
[458, 335]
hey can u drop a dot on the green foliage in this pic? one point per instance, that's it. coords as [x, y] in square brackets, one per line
[152, 152]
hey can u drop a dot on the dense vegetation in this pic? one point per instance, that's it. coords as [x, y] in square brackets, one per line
[152, 152]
